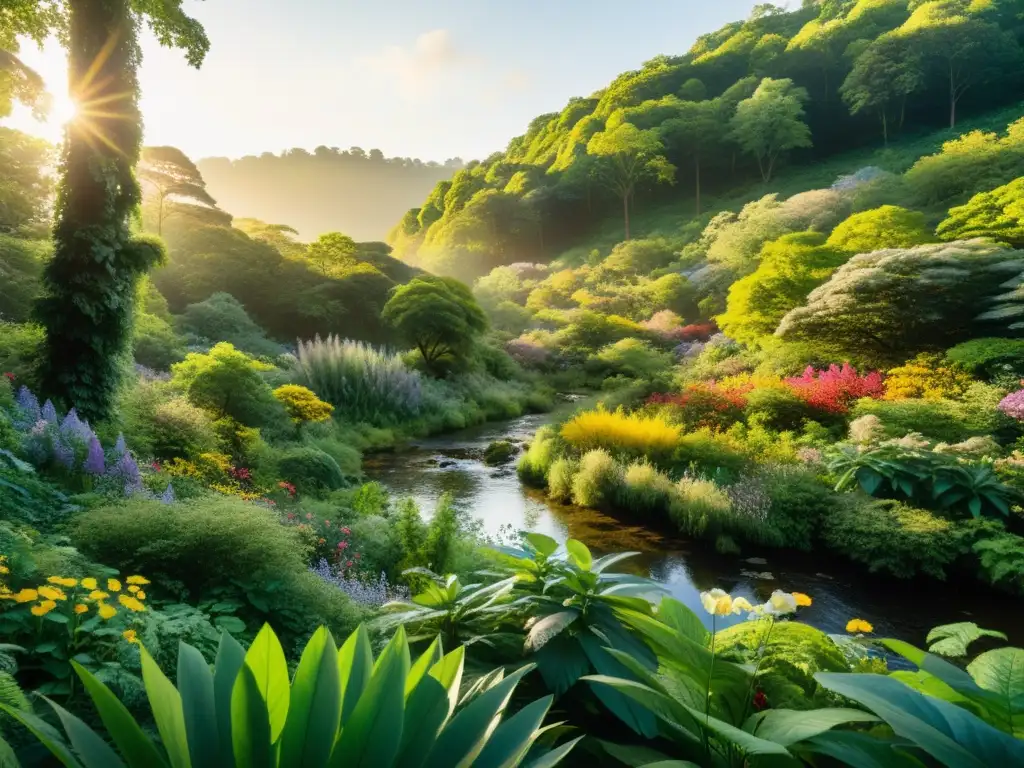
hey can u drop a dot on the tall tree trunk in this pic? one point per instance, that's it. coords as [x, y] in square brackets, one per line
[625, 212]
[89, 284]
[885, 129]
[696, 158]
[952, 97]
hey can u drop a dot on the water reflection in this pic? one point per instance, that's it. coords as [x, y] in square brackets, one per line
[493, 495]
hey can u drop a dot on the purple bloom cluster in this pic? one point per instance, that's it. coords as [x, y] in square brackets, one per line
[369, 593]
[750, 498]
[27, 410]
[95, 462]
[1013, 405]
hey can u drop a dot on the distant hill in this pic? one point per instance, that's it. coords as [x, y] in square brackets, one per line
[355, 192]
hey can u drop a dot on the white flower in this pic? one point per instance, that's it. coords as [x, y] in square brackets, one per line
[740, 604]
[780, 603]
[717, 602]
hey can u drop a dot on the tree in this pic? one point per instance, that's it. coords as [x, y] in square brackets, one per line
[630, 155]
[19, 83]
[698, 130]
[887, 306]
[436, 315]
[886, 227]
[789, 269]
[173, 178]
[771, 122]
[883, 75]
[998, 214]
[89, 285]
[280, 236]
[25, 184]
[332, 253]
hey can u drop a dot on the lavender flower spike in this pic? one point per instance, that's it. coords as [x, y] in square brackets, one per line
[49, 413]
[94, 463]
[63, 454]
[120, 447]
[168, 495]
[28, 409]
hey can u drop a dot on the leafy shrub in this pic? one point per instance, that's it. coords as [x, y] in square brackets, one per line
[20, 352]
[621, 433]
[708, 453]
[221, 317]
[925, 377]
[639, 257]
[155, 344]
[362, 382]
[338, 445]
[560, 476]
[799, 503]
[645, 491]
[302, 404]
[634, 358]
[779, 407]
[988, 357]
[310, 470]
[835, 389]
[1000, 557]
[699, 507]
[950, 421]
[540, 455]
[886, 227]
[702, 405]
[178, 428]
[894, 538]
[499, 452]
[597, 481]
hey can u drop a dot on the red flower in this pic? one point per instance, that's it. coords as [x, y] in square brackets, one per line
[342, 545]
[9, 375]
[155, 465]
[760, 701]
[357, 555]
[346, 530]
[348, 564]
[291, 515]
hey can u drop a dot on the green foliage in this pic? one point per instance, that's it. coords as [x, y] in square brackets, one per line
[886, 227]
[539, 456]
[243, 711]
[634, 358]
[1001, 560]
[221, 317]
[888, 305]
[20, 348]
[779, 408]
[894, 538]
[499, 452]
[227, 382]
[21, 264]
[770, 122]
[155, 344]
[332, 252]
[643, 490]
[25, 184]
[942, 420]
[310, 470]
[597, 480]
[438, 316]
[639, 257]
[800, 502]
[989, 357]
[998, 214]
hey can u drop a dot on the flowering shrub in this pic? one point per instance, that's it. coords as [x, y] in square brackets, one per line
[1013, 405]
[361, 589]
[666, 324]
[621, 432]
[697, 332]
[835, 388]
[527, 352]
[302, 404]
[925, 377]
[703, 405]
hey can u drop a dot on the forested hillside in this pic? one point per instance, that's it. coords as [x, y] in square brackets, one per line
[326, 190]
[782, 88]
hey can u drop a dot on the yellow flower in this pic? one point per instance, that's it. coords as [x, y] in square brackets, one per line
[802, 600]
[130, 603]
[717, 602]
[137, 580]
[26, 596]
[107, 611]
[134, 588]
[98, 594]
[141, 595]
[63, 581]
[81, 608]
[113, 585]
[43, 608]
[859, 625]
[780, 603]
[740, 604]
[129, 635]
[52, 593]
[5, 592]
[4, 568]
[89, 583]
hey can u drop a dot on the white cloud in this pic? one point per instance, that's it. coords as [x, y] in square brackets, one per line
[418, 68]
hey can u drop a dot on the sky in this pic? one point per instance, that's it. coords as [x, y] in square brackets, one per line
[432, 80]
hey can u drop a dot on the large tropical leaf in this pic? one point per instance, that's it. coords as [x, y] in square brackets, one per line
[314, 710]
[953, 639]
[787, 726]
[1001, 672]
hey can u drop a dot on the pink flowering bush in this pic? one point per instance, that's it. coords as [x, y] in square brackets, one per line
[835, 389]
[1013, 405]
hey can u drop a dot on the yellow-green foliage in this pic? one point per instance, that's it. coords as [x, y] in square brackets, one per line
[634, 358]
[302, 404]
[560, 478]
[925, 377]
[886, 227]
[697, 505]
[645, 490]
[534, 465]
[598, 479]
[621, 432]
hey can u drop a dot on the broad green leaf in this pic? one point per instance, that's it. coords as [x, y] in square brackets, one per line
[546, 628]
[633, 755]
[314, 711]
[7, 757]
[869, 479]
[951, 735]
[511, 741]
[1001, 672]
[561, 662]
[545, 545]
[355, 665]
[448, 672]
[606, 561]
[858, 749]
[265, 658]
[195, 684]
[555, 756]
[683, 620]
[635, 716]
[230, 660]
[93, 750]
[422, 665]
[372, 735]
[654, 701]
[47, 735]
[953, 639]
[579, 554]
[134, 745]
[250, 723]
[463, 738]
[165, 701]
[787, 726]
[426, 711]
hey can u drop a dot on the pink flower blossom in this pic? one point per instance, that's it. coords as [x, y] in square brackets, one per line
[342, 545]
[346, 530]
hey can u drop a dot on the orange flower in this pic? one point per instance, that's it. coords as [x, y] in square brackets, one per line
[802, 600]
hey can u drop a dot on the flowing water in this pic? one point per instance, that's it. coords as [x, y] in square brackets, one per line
[426, 469]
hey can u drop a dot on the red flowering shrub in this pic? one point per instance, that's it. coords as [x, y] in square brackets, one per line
[703, 405]
[696, 332]
[834, 389]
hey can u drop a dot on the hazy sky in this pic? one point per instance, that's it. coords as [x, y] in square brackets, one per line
[415, 78]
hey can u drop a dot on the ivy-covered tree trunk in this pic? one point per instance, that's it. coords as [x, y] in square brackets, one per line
[89, 285]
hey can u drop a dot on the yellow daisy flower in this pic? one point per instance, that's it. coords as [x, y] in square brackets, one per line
[134, 588]
[98, 594]
[26, 596]
[130, 636]
[802, 600]
[141, 595]
[81, 608]
[63, 581]
[89, 583]
[43, 608]
[137, 580]
[113, 585]
[52, 593]
[859, 626]
[131, 603]
[107, 611]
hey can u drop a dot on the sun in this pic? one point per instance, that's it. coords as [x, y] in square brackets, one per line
[63, 110]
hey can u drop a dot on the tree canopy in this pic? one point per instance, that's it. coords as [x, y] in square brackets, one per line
[771, 122]
[998, 214]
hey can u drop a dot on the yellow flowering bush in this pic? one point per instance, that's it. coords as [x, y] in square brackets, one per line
[621, 432]
[302, 404]
[925, 377]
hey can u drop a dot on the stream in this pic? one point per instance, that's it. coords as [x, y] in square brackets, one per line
[425, 469]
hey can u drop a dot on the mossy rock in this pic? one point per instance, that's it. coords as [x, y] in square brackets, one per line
[795, 653]
[499, 452]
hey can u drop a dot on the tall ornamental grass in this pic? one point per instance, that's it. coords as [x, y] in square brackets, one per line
[362, 382]
[620, 433]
